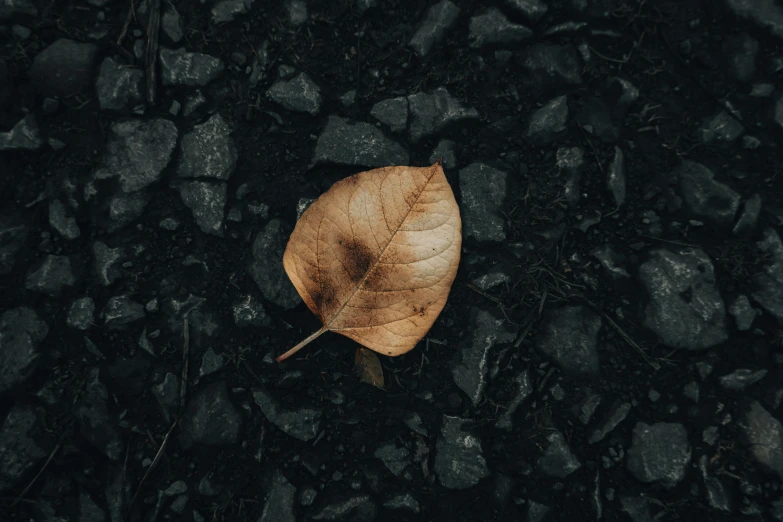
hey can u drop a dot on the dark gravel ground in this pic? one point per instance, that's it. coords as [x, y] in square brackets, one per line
[612, 347]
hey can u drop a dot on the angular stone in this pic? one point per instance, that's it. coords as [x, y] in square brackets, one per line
[394, 458]
[740, 51]
[227, 10]
[119, 87]
[125, 208]
[404, 502]
[96, 424]
[299, 94]
[210, 363]
[748, 221]
[617, 414]
[546, 122]
[359, 144]
[21, 332]
[120, 312]
[743, 313]
[569, 338]
[61, 221]
[81, 315]
[23, 136]
[250, 313]
[211, 418]
[713, 488]
[721, 127]
[393, 112]
[432, 112]
[171, 24]
[168, 395]
[483, 190]
[685, 308]
[766, 14]
[12, 237]
[552, 66]
[53, 275]
[89, 510]
[704, 197]
[207, 201]
[14, 8]
[533, 10]
[208, 151]
[19, 452]
[300, 424]
[445, 151]
[348, 506]
[763, 435]
[741, 378]
[107, 262]
[492, 27]
[536, 512]
[297, 12]
[279, 503]
[638, 508]
[459, 461]
[137, 152]
[64, 68]
[557, 461]
[195, 308]
[180, 67]
[659, 453]
[611, 260]
[437, 21]
[266, 269]
[767, 284]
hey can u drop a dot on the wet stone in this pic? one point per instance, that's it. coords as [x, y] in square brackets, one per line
[496, 276]
[767, 14]
[403, 502]
[557, 460]
[551, 66]
[176, 488]
[394, 458]
[546, 122]
[748, 220]
[536, 512]
[446, 151]
[350, 506]
[228, 10]
[301, 424]
[266, 269]
[483, 189]
[207, 201]
[359, 144]
[492, 27]
[21, 332]
[19, 452]
[64, 68]
[12, 237]
[659, 453]
[392, 112]
[96, 423]
[616, 178]
[119, 87]
[297, 12]
[250, 313]
[61, 220]
[612, 261]
[763, 434]
[523, 388]
[459, 461]
[533, 10]
[171, 24]
[23, 136]
[720, 127]
[716, 494]
[180, 67]
[108, 262]
[432, 112]
[208, 151]
[617, 414]
[569, 338]
[704, 197]
[767, 284]
[470, 368]
[685, 308]
[211, 418]
[742, 312]
[414, 422]
[638, 508]
[437, 21]
[137, 152]
[740, 379]
[124, 209]
[307, 497]
[740, 51]
[53, 275]
[210, 363]
[299, 94]
[120, 312]
[279, 503]
[81, 314]
[691, 391]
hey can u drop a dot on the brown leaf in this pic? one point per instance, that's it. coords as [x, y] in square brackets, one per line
[368, 367]
[375, 256]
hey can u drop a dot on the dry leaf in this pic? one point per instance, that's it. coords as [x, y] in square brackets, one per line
[375, 256]
[368, 367]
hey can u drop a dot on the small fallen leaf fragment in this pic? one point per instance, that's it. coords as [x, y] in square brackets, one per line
[368, 367]
[375, 256]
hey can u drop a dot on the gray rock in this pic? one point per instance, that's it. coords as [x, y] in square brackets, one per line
[496, 276]
[685, 308]
[137, 152]
[81, 314]
[763, 435]
[307, 497]
[19, 452]
[61, 221]
[211, 418]
[617, 414]
[445, 150]
[207, 201]
[302, 205]
[195, 309]
[483, 190]
[208, 151]
[120, 312]
[12, 238]
[14, 8]
[177, 487]
[250, 313]
[168, 395]
[89, 510]
[492, 27]
[227, 10]
[404, 502]
[107, 262]
[364, 5]
[300, 94]
[266, 269]
[96, 423]
[180, 67]
[432, 112]
[194, 103]
[767, 285]
[523, 390]
[704, 197]
[569, 338]
[171, 24]
[740, 51]
[710, 435]
[119, 87]
[125, 208]
[691, 391]
[279, 502]
[659, 453]
[359, 144]
[349, 98]
[210, 363]
[585, 410]
[557, 460]
[349, 506]
[741, 378]
[459, 461]
[536, 512]
[611, 260]
[616, 179]
[746, 224]
[552, 66]
[470, 367]
[638, 508]
[393, 112]
[766, 14]
[438, 20]
[300, 424]
[64, 68]
[546, 122]
[21, 331]
[23, 136]
[533, 10]
[716, 494]
[721, 127]
[50, 277]
[297, 12]
[743, 313]
[169, 224]
[394, 458]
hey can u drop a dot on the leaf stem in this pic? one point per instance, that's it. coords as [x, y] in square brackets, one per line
[301, 345]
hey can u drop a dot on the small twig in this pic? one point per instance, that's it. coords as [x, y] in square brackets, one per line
[25, 490]
[128, 20]
[530, 320]
[595, 151]
[151, 58]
